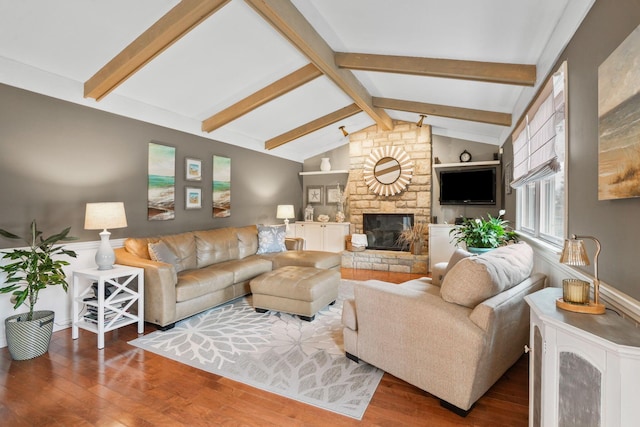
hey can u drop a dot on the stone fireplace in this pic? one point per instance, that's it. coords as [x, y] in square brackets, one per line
[414, 200]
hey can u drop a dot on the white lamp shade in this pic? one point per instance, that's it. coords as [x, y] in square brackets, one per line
[285, 212]
[100, 216]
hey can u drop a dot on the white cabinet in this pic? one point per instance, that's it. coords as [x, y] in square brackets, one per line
[323, 236]
[584, 368]
[440, 246]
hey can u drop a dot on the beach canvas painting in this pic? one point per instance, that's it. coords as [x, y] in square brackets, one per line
[619, 121]
[161, 182]
[221, 187]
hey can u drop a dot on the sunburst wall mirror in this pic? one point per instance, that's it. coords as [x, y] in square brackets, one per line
[388, 170]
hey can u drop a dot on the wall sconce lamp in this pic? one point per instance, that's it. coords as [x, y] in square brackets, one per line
[344, 131]
[285, 212]
[100, 216]
[575, 293]
[419, 124]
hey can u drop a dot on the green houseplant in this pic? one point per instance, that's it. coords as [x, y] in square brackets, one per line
[478, 233]
[28, 271]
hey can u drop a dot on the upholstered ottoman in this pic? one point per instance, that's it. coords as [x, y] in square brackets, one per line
[296, 290]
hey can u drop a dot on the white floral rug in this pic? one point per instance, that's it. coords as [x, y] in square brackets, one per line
[275, 352]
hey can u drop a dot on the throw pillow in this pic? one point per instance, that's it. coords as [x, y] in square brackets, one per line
[475, 279]
[160, 252]
[458, 255]
[271, 238]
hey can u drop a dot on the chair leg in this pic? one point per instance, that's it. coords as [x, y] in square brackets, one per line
[167, 327]
[261, 310]
[307, 318]
[352, 357]
[453, 408]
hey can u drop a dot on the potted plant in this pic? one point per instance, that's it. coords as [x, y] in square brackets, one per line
[480, 235]
[413, 237]
[32, 270]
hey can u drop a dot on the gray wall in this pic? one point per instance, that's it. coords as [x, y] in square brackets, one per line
[56, 156]
[614, 222]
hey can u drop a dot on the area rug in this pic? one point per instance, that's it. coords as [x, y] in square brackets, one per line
[276, 352]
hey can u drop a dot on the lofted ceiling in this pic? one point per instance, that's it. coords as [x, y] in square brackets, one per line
[281, 76]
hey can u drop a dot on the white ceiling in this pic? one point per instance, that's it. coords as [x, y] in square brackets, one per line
[53, 47]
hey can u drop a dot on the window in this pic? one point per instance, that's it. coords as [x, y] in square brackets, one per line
[539, 143]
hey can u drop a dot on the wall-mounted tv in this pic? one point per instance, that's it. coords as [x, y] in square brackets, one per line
[468, 187]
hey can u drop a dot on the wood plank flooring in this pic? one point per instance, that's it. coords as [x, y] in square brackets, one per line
[75, 384]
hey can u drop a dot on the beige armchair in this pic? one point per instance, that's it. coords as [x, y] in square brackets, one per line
[453, 341]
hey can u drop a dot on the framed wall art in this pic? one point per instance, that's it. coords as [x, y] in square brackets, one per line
[221, 187]
[315, 194]
[192, 169]
[192, 198]
[334, 194]
[619, 121]
[161, 179]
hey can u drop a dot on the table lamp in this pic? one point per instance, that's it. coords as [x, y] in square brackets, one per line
[100, 216]
[285, 212]
[576, 292]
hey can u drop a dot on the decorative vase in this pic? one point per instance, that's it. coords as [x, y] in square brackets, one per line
[325, 164]
[340, 216]
[416, 248]
[27, 339]
[479, 251]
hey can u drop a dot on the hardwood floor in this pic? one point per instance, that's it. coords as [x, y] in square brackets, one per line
[75, 384]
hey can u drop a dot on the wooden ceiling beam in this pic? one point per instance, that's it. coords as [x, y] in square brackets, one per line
[286, 18]
[313, 126]
[185, 16]
[492, 72]
[261, 97]
[490, 117]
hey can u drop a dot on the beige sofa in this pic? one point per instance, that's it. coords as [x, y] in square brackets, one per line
[197, 270]
[454, 341]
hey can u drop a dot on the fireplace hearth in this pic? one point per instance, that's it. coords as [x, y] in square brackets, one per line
[383, 230]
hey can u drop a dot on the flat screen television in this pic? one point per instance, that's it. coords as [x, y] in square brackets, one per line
[468, 187]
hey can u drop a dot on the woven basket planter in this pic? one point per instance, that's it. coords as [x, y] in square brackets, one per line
[27, 339]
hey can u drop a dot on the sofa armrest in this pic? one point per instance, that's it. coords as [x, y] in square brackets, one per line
[294, 243]
[438, 273]
[160, 281]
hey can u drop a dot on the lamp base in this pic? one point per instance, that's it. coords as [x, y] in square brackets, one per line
[590, 308]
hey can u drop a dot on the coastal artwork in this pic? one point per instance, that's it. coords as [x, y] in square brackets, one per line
[619, 121]
[221, 187]
[161, 182]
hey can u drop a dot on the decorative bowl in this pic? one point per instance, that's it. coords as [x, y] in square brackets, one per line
[323, 218]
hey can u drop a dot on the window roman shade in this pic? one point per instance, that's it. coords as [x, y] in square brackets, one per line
[538, 146]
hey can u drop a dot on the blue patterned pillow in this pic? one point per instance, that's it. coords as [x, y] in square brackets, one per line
[271, 238]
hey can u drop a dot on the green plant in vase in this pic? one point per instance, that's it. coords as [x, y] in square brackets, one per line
[30, 270]
[484, 234]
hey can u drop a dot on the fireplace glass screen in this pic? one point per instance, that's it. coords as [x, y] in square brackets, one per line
[383, 230]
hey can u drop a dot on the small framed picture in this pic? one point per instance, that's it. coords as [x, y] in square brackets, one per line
[315, 194]
[193, 169]
[192, 198]
[334, 193]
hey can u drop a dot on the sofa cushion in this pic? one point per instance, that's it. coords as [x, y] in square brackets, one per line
[458, 255]
[247, 241]
[474, 279]
[214, 246]
[271, 239]
[203, 281]
[184, 246]
[160, 252]
[139, 246]
[247, 268]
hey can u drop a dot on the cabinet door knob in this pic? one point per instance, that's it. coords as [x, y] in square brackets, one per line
[527, 349]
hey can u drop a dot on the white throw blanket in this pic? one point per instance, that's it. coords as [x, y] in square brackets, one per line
[359, 240]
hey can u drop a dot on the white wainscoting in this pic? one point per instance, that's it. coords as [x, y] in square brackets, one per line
[547, 261]
[54, 298]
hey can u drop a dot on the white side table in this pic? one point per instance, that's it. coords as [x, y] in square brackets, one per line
[117, 306]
